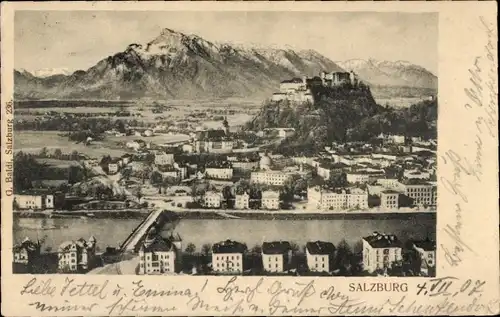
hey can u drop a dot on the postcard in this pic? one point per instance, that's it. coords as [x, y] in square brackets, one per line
[249, 159]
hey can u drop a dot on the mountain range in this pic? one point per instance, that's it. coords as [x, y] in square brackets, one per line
[386, 73]
[176, 65]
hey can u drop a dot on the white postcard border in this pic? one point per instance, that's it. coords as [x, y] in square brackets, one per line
[465, 166]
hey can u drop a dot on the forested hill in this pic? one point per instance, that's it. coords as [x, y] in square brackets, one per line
[345, 114]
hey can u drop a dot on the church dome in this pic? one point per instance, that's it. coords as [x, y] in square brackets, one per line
[265, 162]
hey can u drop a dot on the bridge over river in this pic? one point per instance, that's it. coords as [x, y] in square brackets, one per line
[156, 218]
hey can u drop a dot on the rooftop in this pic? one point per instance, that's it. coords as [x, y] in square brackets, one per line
[166, 168]
[292, 81]
[229, 246]
[212, 135]
[380, 240]
[270, 194]
[159, 245]
[276, 247]
[27, 244]
[389, 191]
[320, 247]
[415, 181]
[218, 164]
[426, 245]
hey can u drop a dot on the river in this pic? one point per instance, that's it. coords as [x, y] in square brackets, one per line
[112, 232]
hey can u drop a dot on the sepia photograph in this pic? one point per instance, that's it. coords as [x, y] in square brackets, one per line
[241, 143]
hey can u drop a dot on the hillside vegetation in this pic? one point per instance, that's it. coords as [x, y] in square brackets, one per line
[344, 114]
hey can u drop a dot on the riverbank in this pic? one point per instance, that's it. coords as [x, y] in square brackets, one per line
[226, 215]
[222, 214]
[100, 214]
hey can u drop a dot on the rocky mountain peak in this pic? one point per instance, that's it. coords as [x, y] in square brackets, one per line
[177, 65]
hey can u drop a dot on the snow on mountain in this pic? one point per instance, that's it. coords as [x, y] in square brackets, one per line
[177, 65]
[47, 72]
[388, 73]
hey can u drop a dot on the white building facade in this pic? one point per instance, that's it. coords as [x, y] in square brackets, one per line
[34, 201]
[270, 200]
[275, 178]
[380, 251]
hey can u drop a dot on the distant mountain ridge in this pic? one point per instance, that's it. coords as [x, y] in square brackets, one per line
[387, 73]
[176, 65]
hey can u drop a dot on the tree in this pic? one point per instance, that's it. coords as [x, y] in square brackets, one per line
[226, 193]
[205, 249]
[57, 153]
[337, 180]
[257, 249]
[26, 170]
[138, 193]
[146, 173]
[74, 155]
[168, 182]
[156, 178]
[344, 257]
[43, 152]
[126, 173]
[75, 174]
[294, 246]
[190, 248]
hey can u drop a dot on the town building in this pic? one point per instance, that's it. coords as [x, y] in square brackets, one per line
[268, 177]
[219, 171]
[168, 171]
[416, 174]
[364, 176]
[276, 256]
[34, 201]
[187, 148]
[26, 251]
[286, 132]
[390, 183]
[164, 158]
[265, 163]
[280, 160]
[326, 168]
[136, 144]
[157, 255]
[126, 158]
[228, 257]
[426, 249]
[270, 200]
[113, 166]
[389, 199]
[212, 199]
[380, 251]
[76, 255]
[320, 256]
[245, 165]
[357, 177]
[182, 170]
[279, 132]
[342, 199]
[213, 141]
[242, 201]
[294, 90]
[421, 192]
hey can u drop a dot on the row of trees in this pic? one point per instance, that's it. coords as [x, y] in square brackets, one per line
[57, 154]
[347, 260]
[96, 125]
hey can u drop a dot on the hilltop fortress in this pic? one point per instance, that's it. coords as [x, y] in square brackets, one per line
[300, 89]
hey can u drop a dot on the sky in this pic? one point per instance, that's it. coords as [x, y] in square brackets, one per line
[79, 39]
